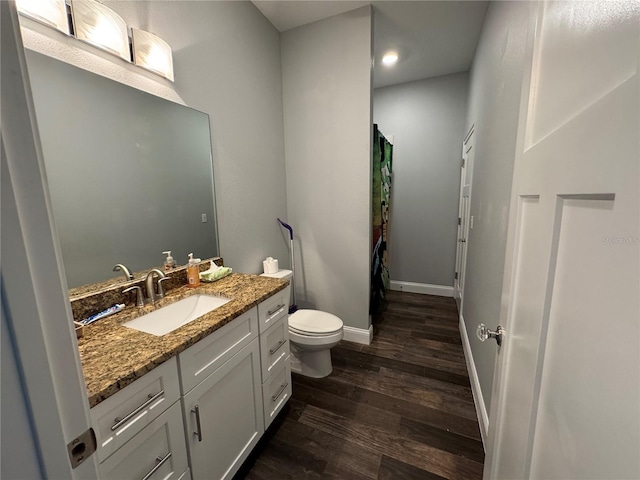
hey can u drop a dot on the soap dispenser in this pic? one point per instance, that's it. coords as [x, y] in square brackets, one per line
[193, 272]
[169, 262]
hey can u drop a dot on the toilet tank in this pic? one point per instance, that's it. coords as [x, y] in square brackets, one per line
[284, 274]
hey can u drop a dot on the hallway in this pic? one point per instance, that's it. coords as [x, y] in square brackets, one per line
[400, 408]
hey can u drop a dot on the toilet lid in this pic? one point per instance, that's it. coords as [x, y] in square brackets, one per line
[314, 322]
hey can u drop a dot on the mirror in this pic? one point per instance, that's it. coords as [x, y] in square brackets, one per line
[130, 174]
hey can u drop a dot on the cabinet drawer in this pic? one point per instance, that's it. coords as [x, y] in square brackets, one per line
[274, 308]
[157, 452]
[121, 416]
[274, 347]
[200, 360]
[276, 392]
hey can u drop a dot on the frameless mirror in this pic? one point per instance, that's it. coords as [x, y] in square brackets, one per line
[130, 174]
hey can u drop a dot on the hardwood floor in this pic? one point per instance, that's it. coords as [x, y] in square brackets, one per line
[400, 408]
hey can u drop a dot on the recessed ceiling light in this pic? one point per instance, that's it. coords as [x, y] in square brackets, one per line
[390, 59]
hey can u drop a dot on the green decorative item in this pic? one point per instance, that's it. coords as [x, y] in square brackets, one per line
[381, 201]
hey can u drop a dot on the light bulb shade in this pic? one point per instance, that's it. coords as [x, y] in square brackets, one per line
[100, 26]
[152, 53]
[390, 59]
[52, 13]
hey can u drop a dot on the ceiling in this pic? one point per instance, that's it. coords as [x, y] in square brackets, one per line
[432, 38]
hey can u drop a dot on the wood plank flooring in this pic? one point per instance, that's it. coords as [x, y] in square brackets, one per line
[400, 408]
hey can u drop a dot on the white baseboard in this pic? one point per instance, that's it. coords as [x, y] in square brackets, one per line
[424, 288]
[481, 409]
[358, 335]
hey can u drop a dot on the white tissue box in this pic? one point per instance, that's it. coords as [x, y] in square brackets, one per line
[270, 265]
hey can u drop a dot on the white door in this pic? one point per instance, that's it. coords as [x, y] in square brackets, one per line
[567, 385]
[468, 153]
[36, 314]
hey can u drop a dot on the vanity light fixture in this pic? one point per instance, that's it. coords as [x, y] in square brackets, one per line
[152, 53]
[101, 27]
[52, 13]
[390, 59]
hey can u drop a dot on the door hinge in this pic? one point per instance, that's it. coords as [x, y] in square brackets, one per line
[462, 162]
[459, 220]
[82, 447]
[456, 277]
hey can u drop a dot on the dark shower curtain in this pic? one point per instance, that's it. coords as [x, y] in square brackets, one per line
[381, 191]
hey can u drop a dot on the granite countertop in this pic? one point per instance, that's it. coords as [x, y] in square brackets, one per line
[113, 356]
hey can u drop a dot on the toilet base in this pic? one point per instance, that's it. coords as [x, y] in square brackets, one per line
[314, 364]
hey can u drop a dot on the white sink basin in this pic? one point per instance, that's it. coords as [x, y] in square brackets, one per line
[167, 319]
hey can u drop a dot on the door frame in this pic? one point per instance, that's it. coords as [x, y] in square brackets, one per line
[510, 277]
[464, 209]
[35, 297]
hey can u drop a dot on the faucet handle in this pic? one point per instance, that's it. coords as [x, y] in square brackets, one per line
[160, 290]
[140, 298]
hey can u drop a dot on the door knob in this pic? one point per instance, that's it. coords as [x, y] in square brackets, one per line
[484, 333]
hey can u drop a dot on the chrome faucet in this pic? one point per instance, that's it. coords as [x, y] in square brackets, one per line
[148, 280]
[139, 297]
[124, 269]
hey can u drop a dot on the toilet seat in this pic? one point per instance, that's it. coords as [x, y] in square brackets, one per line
[314, 323]
[311, 334]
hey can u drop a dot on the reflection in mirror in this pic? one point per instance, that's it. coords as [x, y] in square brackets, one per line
[130, 174]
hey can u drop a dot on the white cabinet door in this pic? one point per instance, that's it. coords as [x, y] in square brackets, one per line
[224, 416]
[157, 452]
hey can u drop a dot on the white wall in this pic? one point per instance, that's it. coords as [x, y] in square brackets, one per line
[494, 100]
[426, 119]
[227, 64]
[326, 69]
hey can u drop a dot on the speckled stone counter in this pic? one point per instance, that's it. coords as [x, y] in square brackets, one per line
[91, 299]
[113, 356]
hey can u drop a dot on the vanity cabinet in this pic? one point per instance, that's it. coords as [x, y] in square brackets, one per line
[224, 416]
[248, 381]
[273, 316]
[210, 404]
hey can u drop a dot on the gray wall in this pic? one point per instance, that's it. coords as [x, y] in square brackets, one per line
[227, 64]
[326, 69]
[494, 101]
[426, 119]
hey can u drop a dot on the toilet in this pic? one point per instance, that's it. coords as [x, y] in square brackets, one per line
[312, 334]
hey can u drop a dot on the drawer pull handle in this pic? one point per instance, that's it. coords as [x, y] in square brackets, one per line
[275, 310]
[279, 392]
[198, 432]
[277, 347]
[121, 421]
[160, 461]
